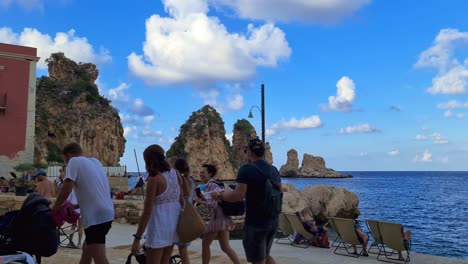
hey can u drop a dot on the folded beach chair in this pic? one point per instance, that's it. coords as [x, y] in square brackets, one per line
[392, 238]
[286, 229]
[67, 232]
[306, 237]
[346, 231]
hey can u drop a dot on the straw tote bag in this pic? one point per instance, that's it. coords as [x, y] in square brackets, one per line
[191, 226]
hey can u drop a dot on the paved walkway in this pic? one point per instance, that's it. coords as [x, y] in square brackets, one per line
[121, 235]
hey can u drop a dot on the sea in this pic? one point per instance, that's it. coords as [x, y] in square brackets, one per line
[432, 204]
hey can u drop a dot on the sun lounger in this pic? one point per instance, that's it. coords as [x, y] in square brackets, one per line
[286, 230]
[345, 228]
[373, 227]
[299, 228]
[392, 238]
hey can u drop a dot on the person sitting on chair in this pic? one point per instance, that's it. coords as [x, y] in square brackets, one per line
[406, 235]
[363, 239]
[320, 232]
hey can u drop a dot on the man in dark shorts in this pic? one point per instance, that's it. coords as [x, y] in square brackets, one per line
[87, 178]
[259, 230]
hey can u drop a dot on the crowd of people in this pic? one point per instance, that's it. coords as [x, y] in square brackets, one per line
[84, 184]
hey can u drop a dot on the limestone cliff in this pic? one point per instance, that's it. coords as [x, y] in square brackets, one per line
[315, 167]
[290, 169]
[241, 134]
[202, 139]
[69, 108]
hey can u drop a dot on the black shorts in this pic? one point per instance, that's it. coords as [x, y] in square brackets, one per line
[96, 234]
[257, 241]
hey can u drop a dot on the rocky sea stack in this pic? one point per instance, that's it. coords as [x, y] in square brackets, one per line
[69, 108]
[202, 139]
[312, 167]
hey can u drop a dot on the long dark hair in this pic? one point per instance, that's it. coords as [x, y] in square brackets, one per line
[211, 169]
[182, 166]
[155, 160]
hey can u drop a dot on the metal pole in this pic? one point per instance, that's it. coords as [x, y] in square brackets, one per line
[263, 113]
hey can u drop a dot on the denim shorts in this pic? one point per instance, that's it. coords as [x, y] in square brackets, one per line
[257, 241]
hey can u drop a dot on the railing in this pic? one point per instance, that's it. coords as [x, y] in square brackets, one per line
[54, 171]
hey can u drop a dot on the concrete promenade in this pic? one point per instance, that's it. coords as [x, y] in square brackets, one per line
[121, 236]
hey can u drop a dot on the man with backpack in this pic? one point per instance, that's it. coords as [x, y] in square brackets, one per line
[260, 184]
[87, 178]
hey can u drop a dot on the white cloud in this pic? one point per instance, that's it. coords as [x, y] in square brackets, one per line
[452, 104]
[148, 119]
[316, 11]
[281, 138]
[345, 96]
[229, 137]
[424, 157]
[74, 47]
[128, 130]
[421, 137]
[438, 139]
[364, 128]
[147, 132]
[449, 114]
[451, 82]
[189, 47]
[293, 123]
[139, 108]
[119, 96]
[452, 75]
[28, 5]
[235, 102]
[394, 152]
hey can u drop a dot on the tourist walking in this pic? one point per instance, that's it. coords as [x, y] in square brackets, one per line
[188, 185]
[260, 184]
[161, 208]
[87, 178]
[220, 224]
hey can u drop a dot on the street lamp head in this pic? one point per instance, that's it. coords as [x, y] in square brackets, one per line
[250, 114]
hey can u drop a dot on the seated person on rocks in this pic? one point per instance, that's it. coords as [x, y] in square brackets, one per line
[320, 232]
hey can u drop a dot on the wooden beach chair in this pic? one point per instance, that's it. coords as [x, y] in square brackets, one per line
[299, 229]
[392, 238]
[345, 229]
[286, 229]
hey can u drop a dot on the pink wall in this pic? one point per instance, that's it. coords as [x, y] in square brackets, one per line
[14, 82]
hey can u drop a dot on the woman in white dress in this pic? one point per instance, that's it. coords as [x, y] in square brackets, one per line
[161, 208]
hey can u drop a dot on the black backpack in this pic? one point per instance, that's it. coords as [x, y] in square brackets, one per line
[231, 208]
[273, 199]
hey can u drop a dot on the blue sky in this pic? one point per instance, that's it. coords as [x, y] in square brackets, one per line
[368, 85]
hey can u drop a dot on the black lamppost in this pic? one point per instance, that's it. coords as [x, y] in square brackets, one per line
[262, 111]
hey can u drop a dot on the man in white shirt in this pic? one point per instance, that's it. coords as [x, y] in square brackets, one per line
[87, 178]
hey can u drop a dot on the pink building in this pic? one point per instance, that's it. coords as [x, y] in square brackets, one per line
[17, 105]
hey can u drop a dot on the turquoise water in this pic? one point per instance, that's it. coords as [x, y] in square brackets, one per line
[431, 204]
